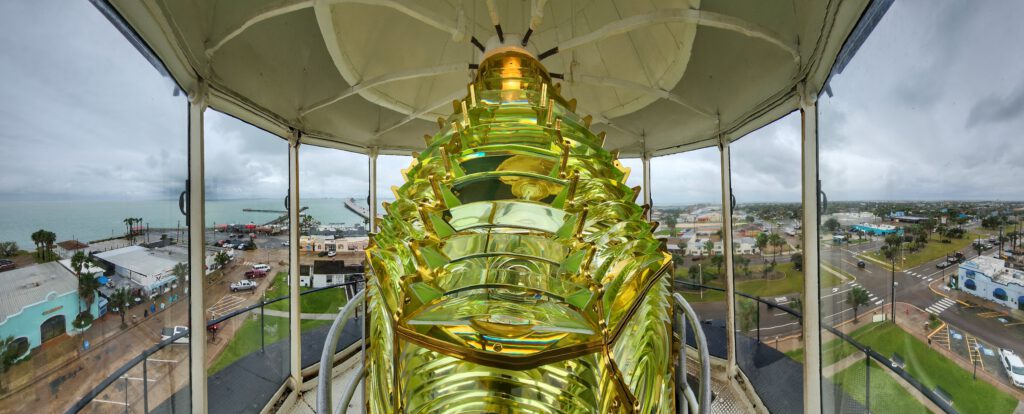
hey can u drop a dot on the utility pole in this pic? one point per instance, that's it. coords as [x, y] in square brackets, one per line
[700, 272]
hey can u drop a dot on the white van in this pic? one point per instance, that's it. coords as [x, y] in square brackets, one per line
[261, 267]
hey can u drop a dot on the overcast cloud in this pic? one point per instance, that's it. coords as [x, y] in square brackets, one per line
[930, 108]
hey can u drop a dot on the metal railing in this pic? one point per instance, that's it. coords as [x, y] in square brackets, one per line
[869, 354]
[686, 401]
[323, 387]
[83, 402]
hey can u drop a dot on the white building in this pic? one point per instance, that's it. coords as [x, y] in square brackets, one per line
[989, 278]
[319, 243]
[150, 269]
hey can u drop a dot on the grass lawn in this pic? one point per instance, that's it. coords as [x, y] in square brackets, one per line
[792, 282]
[325, 301]
[933, 250]
[247, 338]
[887, 395]
[931, 369]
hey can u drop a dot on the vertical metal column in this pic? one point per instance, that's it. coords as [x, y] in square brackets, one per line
[811, 316]
[294, 308]
[647, 183]
[373, 191]
[197, 249]
[730, 288]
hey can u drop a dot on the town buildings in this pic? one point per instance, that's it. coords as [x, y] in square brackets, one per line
[990, 279]
[38, 303]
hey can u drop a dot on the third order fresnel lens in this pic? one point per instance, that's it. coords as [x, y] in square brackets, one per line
[515, 272]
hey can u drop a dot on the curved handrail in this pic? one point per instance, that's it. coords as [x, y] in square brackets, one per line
[704, 397]
[881, 359]
[95, 391]
[323, 387]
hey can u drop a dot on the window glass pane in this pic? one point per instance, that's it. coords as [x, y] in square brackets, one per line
[686, 189]
[247, 262]
[768, 262]
[334, 185]
[919, 151]
[92, 136]
[389, 174]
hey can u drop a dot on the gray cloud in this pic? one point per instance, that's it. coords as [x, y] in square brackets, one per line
[923, 112]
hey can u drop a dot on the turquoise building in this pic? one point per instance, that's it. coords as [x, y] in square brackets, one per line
[38, 303]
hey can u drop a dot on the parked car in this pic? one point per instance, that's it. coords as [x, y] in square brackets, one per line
[6, 265]
[242, 246]
[943, 264]
[263, 267]
[243, 285]
[332, 253]
[322, 254]
[286, 243]
[228, 245]
[253, 274]
[1014, 367]
[861, 264]
[167, 333]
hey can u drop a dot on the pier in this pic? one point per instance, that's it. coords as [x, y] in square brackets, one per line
[355, 208]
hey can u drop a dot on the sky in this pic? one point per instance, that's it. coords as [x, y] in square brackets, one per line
[929, 109]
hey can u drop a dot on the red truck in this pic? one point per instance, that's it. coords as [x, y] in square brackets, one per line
[254, 274]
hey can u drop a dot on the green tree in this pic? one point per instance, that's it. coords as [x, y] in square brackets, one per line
[128, 233]
[743, 263]
[119, 301]
[709, 246]
[978, 247]
[831, 225]
[49, 239]
[221, 259]
[717, 261]
[761, 242]
[670, 222]
[694, 273]
[747, 314]
[9, 355]
[180, 270]
[857, 297]
[798, 261]
[776, 242]
[87, 285]
[37, 239]
[8, 249]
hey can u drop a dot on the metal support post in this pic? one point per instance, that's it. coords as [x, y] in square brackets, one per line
[196, 249]
[646, 159]
[811, 217]
[145, 386]
[372, 199]
[263, 326]
[294, 303]
[758, 318]
[730, 286]
[867, 381]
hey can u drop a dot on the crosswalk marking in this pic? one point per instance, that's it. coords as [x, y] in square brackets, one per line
[940, 306]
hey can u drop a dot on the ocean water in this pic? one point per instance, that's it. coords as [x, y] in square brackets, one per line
[93, 220]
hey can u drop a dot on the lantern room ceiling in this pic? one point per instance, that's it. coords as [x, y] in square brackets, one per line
[658, 76]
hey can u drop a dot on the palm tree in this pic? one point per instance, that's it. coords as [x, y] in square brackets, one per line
[857, 297]
[50, 240]
[87, 285]
[78, 260]
[717, 260]
[775, 241]
[180, 270]
[747, 314]
[128, 221]
[37, 238]
[221, 259]
[120, 301]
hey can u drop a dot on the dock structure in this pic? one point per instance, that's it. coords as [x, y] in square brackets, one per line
[283, 218]
[355, 208]
[259, 210]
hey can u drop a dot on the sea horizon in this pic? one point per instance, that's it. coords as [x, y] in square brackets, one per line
[94, 220]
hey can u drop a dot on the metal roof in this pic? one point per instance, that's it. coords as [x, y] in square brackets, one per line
[29, 285]
[364, 75]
